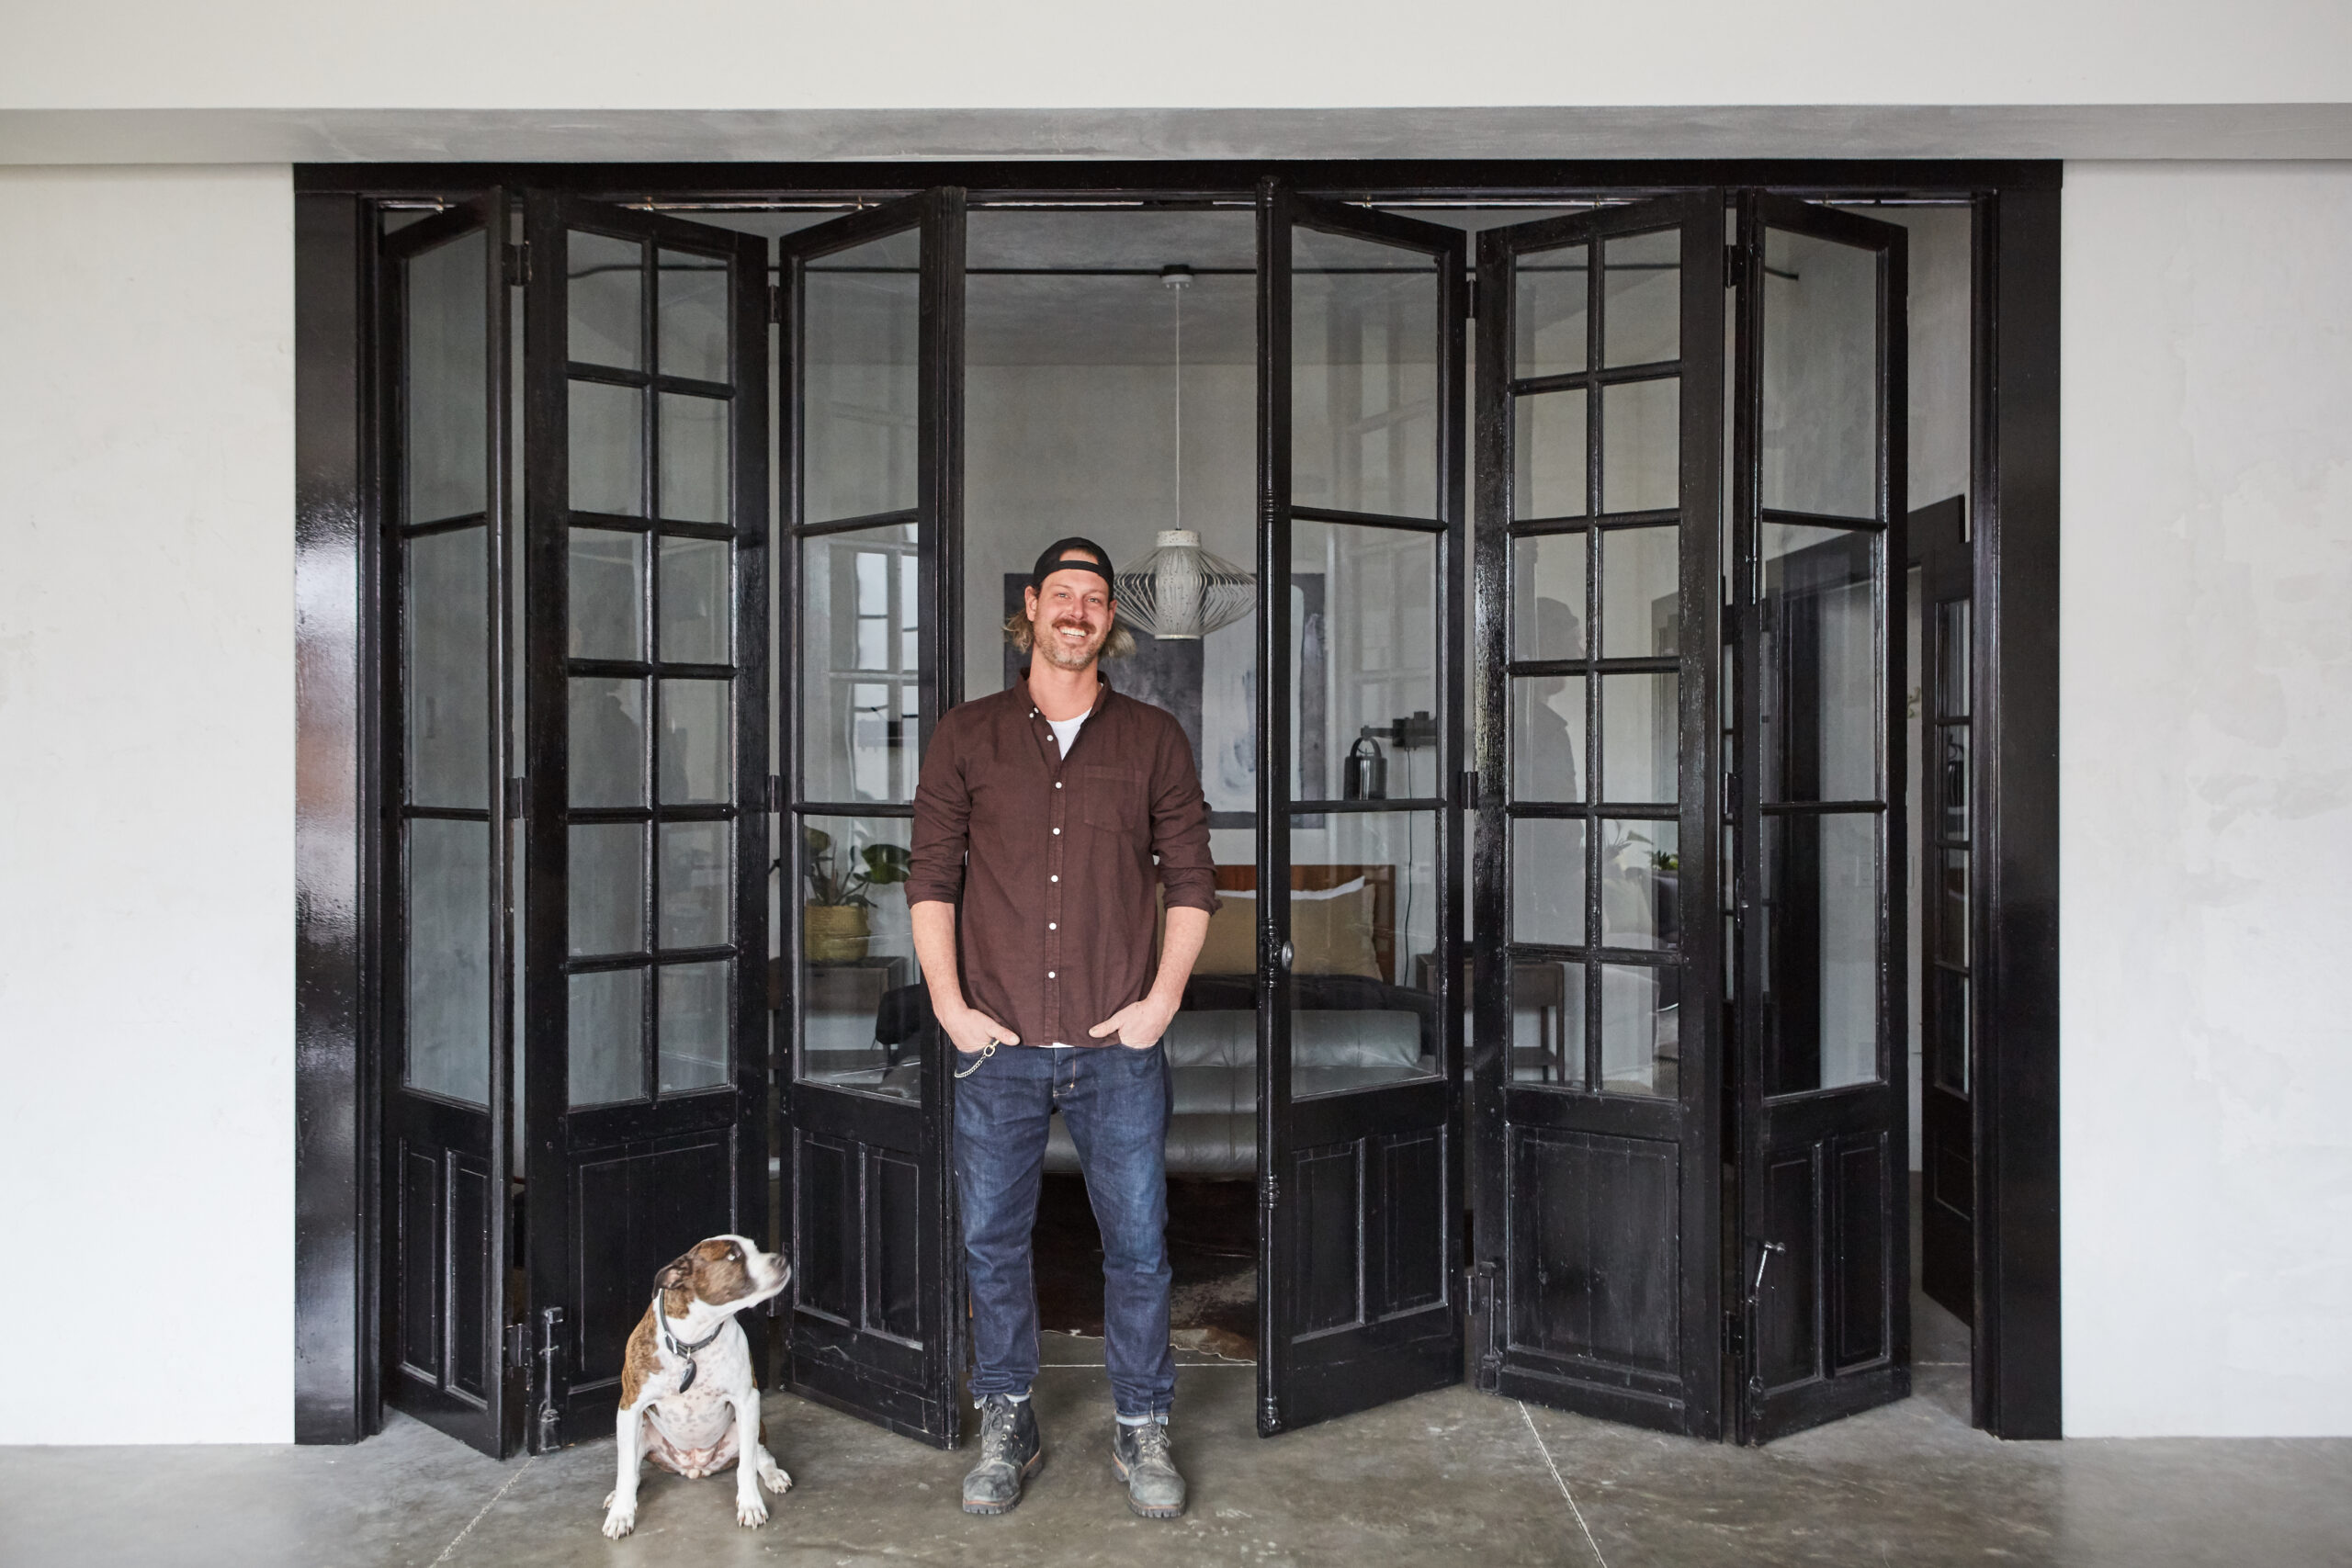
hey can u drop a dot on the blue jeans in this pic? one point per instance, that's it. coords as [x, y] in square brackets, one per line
[1115, 1100]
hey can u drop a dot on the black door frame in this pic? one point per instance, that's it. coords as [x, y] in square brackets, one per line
[2014, 501]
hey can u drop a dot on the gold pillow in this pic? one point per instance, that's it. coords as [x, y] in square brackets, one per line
[1231, 947]
[1330, 932]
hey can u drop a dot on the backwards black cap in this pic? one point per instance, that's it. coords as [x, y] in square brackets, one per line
[1051, 561]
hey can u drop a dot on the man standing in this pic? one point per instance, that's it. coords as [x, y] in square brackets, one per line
[1041, 811]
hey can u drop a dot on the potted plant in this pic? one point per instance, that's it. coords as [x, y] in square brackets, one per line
[833, 922]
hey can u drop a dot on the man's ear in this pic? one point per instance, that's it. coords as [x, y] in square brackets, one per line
[676, 1274]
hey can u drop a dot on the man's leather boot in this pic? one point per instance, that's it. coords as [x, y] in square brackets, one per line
[1146, 1462]
[1010, 1454]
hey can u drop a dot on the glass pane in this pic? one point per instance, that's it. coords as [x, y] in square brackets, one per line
[448, 347]
[1821, 898]
[1637, 737]
[1953, 787]
[1547, 722]
[448, 670]
[1362, 928]
[1547, 881]
[1951, 1002]
[1639, 885]
[1547, 1022]
[1363, 376]
[1641, 607]
[697, 602]
[1821, 359]
[1820, 698]
[1549, 325]
[607, 462]
[694, 459]
[448, 959]
[861, 309]
[607, 749]
[1641, 1047]
[607, 897]
[697, 742]
[865, 1017]
[1951, 913]
[1643, 322]
[607, 594]
[694, 316]
[1548, 443]
[1641, 445]
[1952, 658]
[606, 1036]
[695, 883]
[1377, 661]
[1547, 586]
[860, 676]
[606, 279]
[692, 1025]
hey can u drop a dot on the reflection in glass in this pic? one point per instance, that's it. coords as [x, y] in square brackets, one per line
[1952, 740]
[1380, 632]
[1641, 445]
[606, 1036]
[1643, 322]
[1547, 582]
[607, 888]
[1548, 442]
[1548, 886]
[1640, 1030]
[1951, 1002]
[865, 1019]
[1821, 899]
[1640, 872]
[694, 459]
[1547, 1022]
[695, 877]
[1547, 720]
[861, 642]
[607, 751]
[862, 312]
[447, 366]
[691, 1025]
[696, 602]
[1821, 361]
[698, 749]
[1363, 376]
[1641, 612]
[1952, 658]
[1638, 753]
[604, 281]
[694, 316]
[607, 572]
[607, 456]
[1549, 324]
[447, 625]
[1951, 918]
[1363, 931]
[1821, 713]
[448, 959]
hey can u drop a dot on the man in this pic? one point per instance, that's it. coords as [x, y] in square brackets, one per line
[1040, 813]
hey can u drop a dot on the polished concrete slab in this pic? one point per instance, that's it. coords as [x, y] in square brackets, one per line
[1449, 1477]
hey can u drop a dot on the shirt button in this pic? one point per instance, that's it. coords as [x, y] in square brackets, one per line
[1058, 783]
[1058, 832]
[1053, 879]
[1053, 925]
[1050, 973]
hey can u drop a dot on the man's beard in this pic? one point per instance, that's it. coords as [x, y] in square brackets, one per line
[1061, 655]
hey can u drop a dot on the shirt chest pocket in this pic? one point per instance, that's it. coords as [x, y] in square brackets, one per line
[1112, 800]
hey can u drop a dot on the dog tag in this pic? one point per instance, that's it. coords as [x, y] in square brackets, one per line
[688, 1380]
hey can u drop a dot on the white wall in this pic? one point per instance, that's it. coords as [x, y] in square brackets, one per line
[146, 782]
[2207, 791]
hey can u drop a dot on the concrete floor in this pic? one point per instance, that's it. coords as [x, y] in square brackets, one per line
[1445, 1478]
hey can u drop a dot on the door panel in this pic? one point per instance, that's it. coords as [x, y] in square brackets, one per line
[645, 1033]
[873, 418]
[1948, 1129]
[1360, 361]
[1595, 1091]
[1817, 519]
[448, 999]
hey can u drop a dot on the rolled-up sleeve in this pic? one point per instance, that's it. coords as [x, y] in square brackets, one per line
[1179, 825]
[943, 821]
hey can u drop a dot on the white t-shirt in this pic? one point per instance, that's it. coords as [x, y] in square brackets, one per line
[1066, 730]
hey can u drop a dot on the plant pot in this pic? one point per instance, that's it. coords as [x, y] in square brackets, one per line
[834, 933]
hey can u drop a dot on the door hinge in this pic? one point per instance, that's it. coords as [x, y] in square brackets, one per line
[518, 796]
[518, 1347]
[1735, 1337]
[1269, 1192]
[1470, 296]
[775, 304]
[1465, 786]
[550, 1352]
[776, 792]
[1486, 1323]
[518, 263]
[1731, 266]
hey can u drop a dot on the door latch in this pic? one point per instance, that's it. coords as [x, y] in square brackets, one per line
[1486, 1322]
[551, 1350]
[518, 1347]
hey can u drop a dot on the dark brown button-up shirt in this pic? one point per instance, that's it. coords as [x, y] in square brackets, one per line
[1051, 857]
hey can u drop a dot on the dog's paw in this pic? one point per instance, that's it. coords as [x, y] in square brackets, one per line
[749, 1512]
[773, 1477]
[620, 1521]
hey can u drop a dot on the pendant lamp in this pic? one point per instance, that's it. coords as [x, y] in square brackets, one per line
[1181, 592]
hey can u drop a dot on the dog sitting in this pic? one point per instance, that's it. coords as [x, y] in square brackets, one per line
[690, 1397]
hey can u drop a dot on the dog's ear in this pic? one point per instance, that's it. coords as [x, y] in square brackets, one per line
[677, 1274]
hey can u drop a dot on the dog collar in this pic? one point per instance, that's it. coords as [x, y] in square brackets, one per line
[678, 1347]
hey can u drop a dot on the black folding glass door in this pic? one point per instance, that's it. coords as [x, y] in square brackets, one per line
[448, 999]
[1596, 1073]
[1361, 350]
[646, 931]
[1822, 1261]
[872, 419]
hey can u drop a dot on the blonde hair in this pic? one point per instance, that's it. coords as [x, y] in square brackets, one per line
[1120, 644]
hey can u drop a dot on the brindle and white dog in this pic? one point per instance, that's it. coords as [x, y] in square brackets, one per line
[690, 1398]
